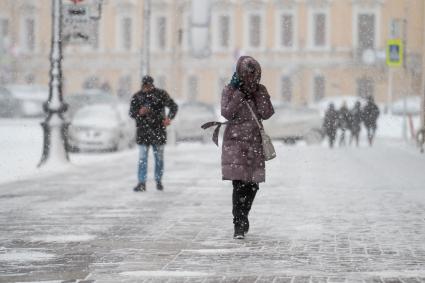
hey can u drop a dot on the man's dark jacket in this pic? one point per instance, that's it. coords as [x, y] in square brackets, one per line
[370, 114]
[150, 128]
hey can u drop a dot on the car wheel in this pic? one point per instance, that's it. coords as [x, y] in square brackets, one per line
[314, 136]
[115, 148]
[290, 140]
[73, 149]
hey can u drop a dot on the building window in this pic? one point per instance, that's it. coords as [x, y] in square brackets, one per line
[162, 82]
[91, 82]
[29, 34]
[319, 29]
[366, 31]
[4, 27]
[365, 87]
[224, 31]
[255, 30]
[395, 28]
[286, 89]
[183, 33]
[192, 85]
[161, 23]
[126, 33]
[29, 79]
[4, 33]
[95, 40]
[124, 87]
[319, 88]
[287, 30]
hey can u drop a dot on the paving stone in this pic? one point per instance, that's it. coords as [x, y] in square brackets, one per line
[87, 227]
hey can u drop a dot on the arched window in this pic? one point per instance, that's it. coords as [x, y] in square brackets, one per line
[92, 82]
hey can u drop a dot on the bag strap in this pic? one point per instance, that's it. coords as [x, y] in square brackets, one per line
[253, 115]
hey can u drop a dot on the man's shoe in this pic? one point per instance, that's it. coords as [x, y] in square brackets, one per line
[141, 187]
[159, 186]
[239, 232]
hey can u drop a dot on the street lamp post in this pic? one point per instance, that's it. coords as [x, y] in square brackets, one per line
[145, 70]
[55, 127]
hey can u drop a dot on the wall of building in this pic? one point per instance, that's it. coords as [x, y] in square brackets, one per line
[338, 61]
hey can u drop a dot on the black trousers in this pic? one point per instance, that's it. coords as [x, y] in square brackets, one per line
[243, 197]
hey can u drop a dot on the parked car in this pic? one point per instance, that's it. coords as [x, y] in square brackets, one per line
[413, 106]
[102, 127]
[187, 125]
[22, 101]
[88, 97]
[8, 104]
[291, 124]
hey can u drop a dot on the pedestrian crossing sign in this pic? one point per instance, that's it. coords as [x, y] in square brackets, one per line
[394, 53]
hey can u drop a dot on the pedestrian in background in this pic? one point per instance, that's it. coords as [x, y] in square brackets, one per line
[370, 114]
[330, 124]
[356, 120]
[344, 121]
[147, 107]
[243, 160]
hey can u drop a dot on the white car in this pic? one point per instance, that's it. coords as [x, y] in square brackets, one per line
[291, 124]
[187, 124]
[87, 97]
[413, 106]
[27, 100]
[102, 127]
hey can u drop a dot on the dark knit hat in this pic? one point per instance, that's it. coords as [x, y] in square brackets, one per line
[147, 80]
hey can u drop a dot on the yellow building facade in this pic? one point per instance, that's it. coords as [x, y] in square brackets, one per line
[308, 49]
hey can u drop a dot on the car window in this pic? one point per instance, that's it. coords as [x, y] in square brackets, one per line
[96, 112]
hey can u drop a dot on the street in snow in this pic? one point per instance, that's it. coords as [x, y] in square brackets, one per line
[87, 87]
[342, 215]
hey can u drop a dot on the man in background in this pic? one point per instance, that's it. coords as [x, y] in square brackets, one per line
[147, 107]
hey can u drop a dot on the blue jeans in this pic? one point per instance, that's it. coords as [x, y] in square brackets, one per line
[158, 151]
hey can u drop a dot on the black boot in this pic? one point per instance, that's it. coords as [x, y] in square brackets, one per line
[246, 225]
[251, 193]
[141, 187]
[159, 186]
[239, 231]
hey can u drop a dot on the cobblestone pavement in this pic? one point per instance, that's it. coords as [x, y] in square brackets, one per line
[343, 215]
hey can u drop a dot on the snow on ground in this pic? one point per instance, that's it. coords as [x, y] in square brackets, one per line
[164, 274]
[21, 143]
[350, 213]
[63, 238]
[24, 255]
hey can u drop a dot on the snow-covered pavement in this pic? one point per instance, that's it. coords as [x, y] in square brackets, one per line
[342, 215]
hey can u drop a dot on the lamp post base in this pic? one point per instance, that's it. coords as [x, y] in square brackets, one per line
[55, 147]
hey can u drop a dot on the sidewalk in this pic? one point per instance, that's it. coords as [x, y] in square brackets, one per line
[342, 215]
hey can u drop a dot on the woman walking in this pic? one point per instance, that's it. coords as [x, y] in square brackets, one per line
[243, 160]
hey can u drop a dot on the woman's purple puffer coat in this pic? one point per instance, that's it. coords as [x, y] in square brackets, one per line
[242, 151]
